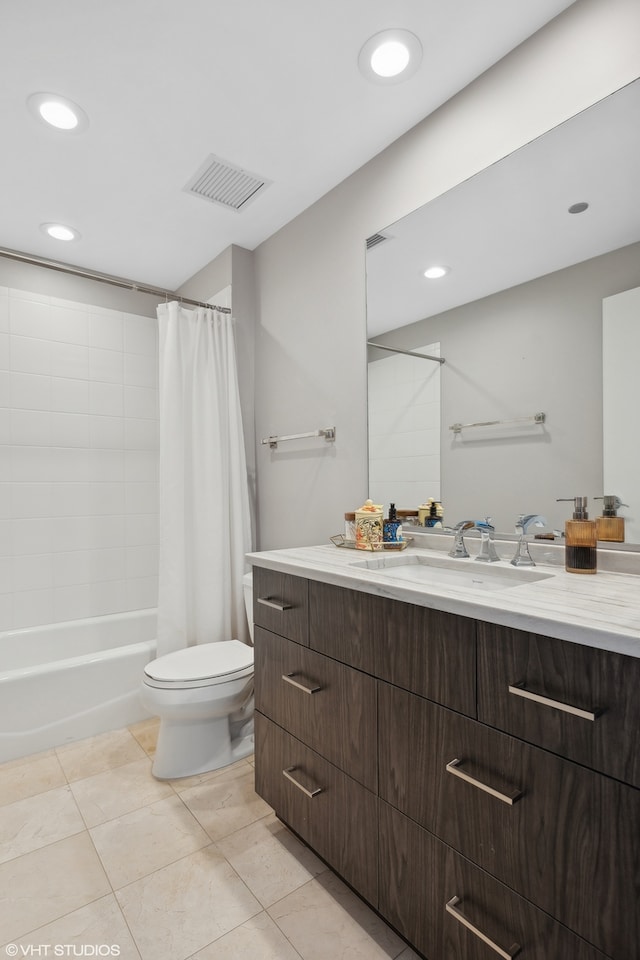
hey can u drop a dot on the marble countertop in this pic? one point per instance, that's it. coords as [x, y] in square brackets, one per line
[601, 610]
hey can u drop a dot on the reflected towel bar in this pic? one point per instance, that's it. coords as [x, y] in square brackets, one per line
[329, 433]
[536, 418]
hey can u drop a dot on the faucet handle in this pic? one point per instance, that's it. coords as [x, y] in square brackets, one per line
[524, 521]
[487, 552]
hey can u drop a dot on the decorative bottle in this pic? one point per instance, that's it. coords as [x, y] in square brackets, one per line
[369, 526]
[580, 539]
[392, 528]
[610, 526]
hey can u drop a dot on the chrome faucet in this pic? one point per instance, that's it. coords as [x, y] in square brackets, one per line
[522, 557]
[459, 549]
[487, 552]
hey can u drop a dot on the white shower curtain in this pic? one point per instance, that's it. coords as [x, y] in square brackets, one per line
[205, 526]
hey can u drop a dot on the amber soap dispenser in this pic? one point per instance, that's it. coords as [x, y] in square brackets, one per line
[580, 538]
[610, 526]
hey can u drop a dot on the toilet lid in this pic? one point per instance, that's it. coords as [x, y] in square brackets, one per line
[202, 662]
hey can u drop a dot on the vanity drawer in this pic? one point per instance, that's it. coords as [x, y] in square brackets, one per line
[429, 652]
[329, 706]
[564, 837]
[582, 703]
[422, 875]
[335, 815]
[281, 604]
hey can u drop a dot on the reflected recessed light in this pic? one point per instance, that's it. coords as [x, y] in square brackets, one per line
[578, 207]
[59, 231]
[58, 112]
[435, 272]
[390, 57]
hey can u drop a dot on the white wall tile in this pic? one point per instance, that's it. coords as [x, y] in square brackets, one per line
[141, 371]
[106, 532]
[6, 463]
[105, 465]
[142, 561]
[140, 530]
[29, 355]
[69, 430]
[106, 399]
[70, 360]
[108, 596]
[71, 499]
[31, 500]
[106, 365]
[6, 490]
[71, 603]
[30, 427]
[30, 392]
[69, 396]
[5, 352]
[141, 465]
[4, 313]
[141, 498]
[6, 546]
[108, 564]
[106, 330]
[29, 317]
[33, 572]
[5, 425]
[71, 567]
[107, 498]
[69, 324]
[31, 536]
[32, 608]
[6, 611]
[107, 432]
[141, 335]
[142, 594]
[140, 403]
[6, 579]
[141, 434]
[5, 384]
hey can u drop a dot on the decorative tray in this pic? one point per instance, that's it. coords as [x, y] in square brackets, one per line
[341, 541]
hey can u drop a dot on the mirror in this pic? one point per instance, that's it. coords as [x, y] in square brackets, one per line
[518, 320]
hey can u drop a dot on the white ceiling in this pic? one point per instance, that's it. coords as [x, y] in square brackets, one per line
[510, 223]
[271, 86]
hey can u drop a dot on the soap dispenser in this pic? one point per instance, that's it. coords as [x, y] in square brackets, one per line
[610, 526]
[580, 538]
[392, 528]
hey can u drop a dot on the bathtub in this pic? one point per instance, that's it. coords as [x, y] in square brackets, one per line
[66, 681]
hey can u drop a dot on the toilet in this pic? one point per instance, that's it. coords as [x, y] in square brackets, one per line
[204, 698]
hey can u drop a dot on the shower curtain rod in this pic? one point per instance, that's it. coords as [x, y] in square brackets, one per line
[106, 278]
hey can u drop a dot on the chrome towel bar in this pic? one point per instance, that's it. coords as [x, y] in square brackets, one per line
[329, 433]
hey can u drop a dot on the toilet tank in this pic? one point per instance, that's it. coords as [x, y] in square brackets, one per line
[247, 586]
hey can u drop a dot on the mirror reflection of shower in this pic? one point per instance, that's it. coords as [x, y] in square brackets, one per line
[404, 426]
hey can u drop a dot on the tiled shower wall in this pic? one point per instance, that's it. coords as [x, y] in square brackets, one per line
[78, 460]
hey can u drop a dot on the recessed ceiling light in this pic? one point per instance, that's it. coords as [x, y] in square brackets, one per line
[436, 272]
[578, 207]
[58, 112]
[59, 231]
[390, 56]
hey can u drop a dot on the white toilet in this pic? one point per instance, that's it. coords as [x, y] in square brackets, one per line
[204, 698]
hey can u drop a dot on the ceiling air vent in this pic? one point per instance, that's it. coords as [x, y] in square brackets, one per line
[375, 239]
[221, 182]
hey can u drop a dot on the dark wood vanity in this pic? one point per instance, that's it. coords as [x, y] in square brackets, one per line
[478, 785]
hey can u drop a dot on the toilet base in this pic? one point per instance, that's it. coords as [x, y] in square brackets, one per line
[185, 749]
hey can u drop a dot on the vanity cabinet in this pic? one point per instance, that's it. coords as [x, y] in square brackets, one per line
[478, 822]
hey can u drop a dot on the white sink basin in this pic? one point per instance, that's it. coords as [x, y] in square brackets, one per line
[425, 569]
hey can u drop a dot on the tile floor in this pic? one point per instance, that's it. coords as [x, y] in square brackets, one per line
[99, 859]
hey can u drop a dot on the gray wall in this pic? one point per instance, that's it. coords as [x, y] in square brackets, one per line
[536, 347]
[310, 339]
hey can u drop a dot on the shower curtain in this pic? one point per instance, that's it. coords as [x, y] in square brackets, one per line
[205, 526]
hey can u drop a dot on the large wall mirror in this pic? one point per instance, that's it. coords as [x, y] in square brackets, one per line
[518, 321]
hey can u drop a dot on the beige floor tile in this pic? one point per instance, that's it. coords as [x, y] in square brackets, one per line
[146, 733]
[223, 805]
[37, 821]
[135, 845]
[257, 939]
[324, 920]
[48, 883]
[30, 776]
[180, 909]
[270, 860]
[229, 772]
[88, 757]
[100, 926]
[118, 791]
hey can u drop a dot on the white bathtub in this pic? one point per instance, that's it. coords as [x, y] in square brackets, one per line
[66, 681]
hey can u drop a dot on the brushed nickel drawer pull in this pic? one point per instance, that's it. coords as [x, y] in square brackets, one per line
[519, 690]
[510, 798]
[308, 793]
[288, 678]
[458, 915]
[279, 605]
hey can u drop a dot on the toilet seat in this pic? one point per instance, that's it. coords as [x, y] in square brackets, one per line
[203, 665]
